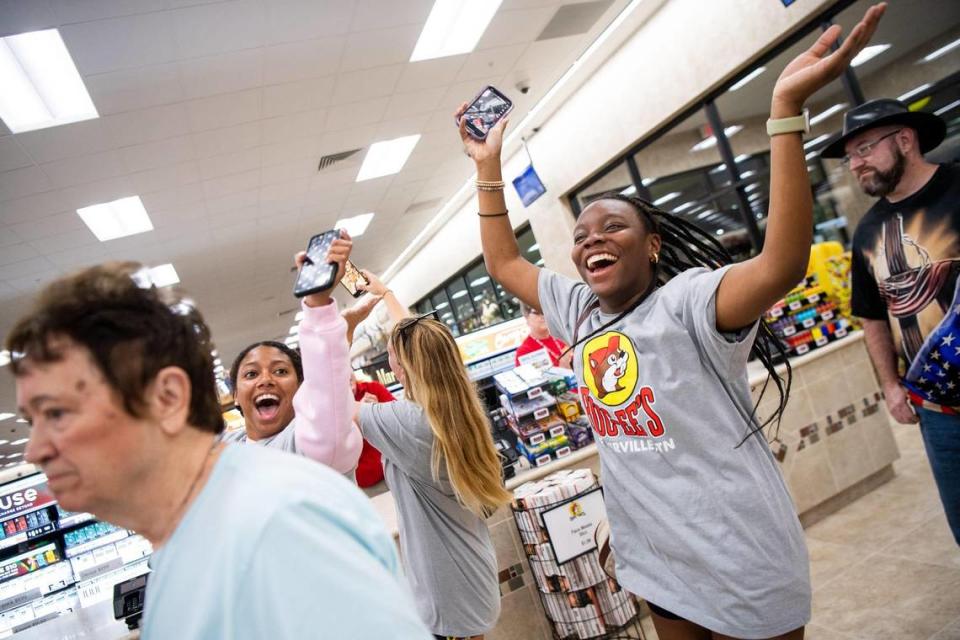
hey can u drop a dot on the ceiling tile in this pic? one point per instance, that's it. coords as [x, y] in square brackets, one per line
[69, 11]
[35, 280]
[17, 252]
[547, 53]
[397, 127]
[152, 155]
[84, 169]
[301, 60]
[490, 62]
[283, 196]
[78, 257]
[8, 236]
[227, 185]
[120, 43]
[173, 198]
[225, 26]
[32, 207]
[293, 97]
[12, 156]
[224, 110]
[221, 73]
[515, 27]
[46, 226]
[305, 123]
[17, 16]
[290, 20]
[349, 116]
[224, 204]
[24, 268]
[129, 89]
[415, 102]
[226, 140]
[379, 14]
[290, 150]
[143, 125]
[65, 240]
[231, 163]
[364, 85]
[23, 182]
[75, 139]
[96, 192]
[429, 74]
[297, 169]
[370, 49]
[165, 177]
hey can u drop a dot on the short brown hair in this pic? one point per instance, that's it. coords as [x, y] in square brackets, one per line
[131, 329]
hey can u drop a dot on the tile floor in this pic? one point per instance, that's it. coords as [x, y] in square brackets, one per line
[886, 566]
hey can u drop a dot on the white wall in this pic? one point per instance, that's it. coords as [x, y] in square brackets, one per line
[680, 53]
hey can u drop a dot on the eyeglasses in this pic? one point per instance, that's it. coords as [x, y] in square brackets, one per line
[866, 149]
[405, 325]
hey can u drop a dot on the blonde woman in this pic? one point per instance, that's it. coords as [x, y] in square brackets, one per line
[444, 472]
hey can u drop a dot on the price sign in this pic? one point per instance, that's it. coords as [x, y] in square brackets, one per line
[571, 526]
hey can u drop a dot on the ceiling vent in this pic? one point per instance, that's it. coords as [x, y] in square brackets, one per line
[329, 160]
[574, 19]
[420, 207]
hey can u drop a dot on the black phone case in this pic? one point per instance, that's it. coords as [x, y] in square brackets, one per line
[316, 275]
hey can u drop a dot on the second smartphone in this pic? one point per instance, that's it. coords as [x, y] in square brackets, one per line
[487, 109]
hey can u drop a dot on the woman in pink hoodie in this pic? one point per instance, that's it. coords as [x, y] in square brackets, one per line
[286, 397]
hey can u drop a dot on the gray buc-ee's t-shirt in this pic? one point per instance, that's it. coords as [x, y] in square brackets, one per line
[698, 526]
[447, 552]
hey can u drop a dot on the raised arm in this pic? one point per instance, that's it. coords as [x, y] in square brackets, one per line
[501, 253]
[751, 287]
[323, 427]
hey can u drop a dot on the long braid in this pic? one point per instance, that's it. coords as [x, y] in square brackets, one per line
[684, 246]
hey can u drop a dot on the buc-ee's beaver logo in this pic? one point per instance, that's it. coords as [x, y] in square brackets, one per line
[610, 368]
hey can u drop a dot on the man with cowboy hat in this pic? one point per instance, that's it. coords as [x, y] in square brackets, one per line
[906, 262]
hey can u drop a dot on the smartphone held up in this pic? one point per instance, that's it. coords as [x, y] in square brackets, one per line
[317, 274]
[485, 111]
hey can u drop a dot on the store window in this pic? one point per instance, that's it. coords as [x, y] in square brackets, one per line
[472, 300]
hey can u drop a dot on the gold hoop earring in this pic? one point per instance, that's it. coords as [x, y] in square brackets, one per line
[655, 258]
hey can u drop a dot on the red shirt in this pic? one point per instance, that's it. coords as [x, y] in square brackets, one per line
[553, 346]
[369, 468]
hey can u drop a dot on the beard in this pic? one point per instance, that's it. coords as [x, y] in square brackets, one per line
[881, 183]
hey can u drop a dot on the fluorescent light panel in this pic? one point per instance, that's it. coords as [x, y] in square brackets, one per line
[950, 107]
[387, 157]
[117, 219]
[667, 198]
[816, 141]
[453, 27]
[942, 51]
[41, 86]
[826, 113]
[706, 143]
[21, 441]
[913, 92]
[164, 275]
[4, 358]
[868, 53]
[356, 225]
[747, 78]
[6, 416]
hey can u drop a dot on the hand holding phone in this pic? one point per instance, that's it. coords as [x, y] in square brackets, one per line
[483, 113]
[321, 265]
[352, 277]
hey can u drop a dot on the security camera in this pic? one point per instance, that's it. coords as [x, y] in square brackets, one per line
[523, 87]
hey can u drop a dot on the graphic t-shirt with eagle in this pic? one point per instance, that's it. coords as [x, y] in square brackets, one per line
[699, 526]
[905, 268]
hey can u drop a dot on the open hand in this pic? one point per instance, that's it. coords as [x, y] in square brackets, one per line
[373, 286]
[482, 151]
[338, 253]
[817, 66]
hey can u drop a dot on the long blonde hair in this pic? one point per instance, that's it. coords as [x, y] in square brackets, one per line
[436, 379]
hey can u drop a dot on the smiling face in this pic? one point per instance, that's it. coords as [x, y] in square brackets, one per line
[266, 384]
[81, 436]
[612, 250]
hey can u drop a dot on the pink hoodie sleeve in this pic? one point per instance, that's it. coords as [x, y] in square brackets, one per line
[324, 428]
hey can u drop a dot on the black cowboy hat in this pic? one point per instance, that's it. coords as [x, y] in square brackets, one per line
[931, 129]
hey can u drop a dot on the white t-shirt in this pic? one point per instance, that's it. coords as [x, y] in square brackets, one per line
[278, 546]
[699, 526]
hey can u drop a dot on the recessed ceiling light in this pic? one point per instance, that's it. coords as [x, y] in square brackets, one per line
[6, 416]
[719, 232]
[443, 305]
[740, 158]
[826, 113]
[868, 53]
[453, 27]
[942, 51]
[534, 247]
[683, 207]
[750, 187]
[21, 421]
[950, 107]
[667, 198]
[4, 442]
[459, 294]
[539, 262]
[4, 358]
[718, 168]
[356, 225]
[629, 191]
[164, 275]
[387, 157]
[648, 181]
[14, 455]
[477, 297]
[295, 330]
[298, 317]
[706, 143]
[9, 464]
[483, 280]
[747, 78]
[816, 141]
[21, 441]
[117, 219]
[705, 214]
[41, 86]
[913, 92]
[291, 341]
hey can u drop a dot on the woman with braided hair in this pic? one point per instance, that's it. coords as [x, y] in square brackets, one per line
[702, 525]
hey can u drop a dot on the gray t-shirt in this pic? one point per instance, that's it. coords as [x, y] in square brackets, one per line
[698, 526]
[283, 440]
[447, 551]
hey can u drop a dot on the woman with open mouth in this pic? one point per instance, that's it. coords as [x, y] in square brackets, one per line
[701, 523]
[277, 388]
